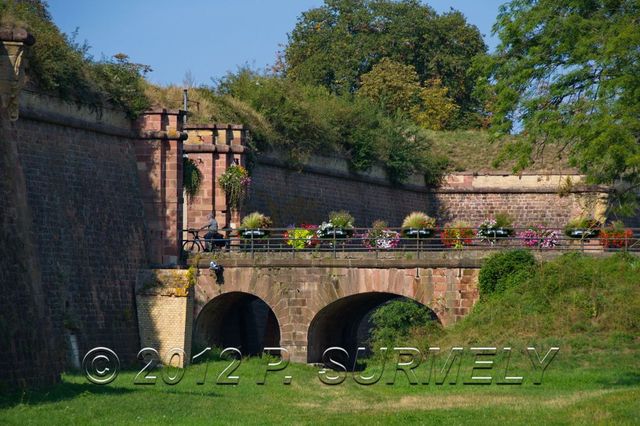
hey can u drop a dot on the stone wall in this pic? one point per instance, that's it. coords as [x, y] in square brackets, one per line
[87, 221]
[325, 184]
[165, 312]
[301, 290]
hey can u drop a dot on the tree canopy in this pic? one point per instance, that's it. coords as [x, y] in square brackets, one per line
[335, 44]
[568, 72]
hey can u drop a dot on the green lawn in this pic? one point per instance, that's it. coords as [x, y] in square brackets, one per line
[588, 307]
[597, 389]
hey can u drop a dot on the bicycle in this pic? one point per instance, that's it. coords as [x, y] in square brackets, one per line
[195, 245]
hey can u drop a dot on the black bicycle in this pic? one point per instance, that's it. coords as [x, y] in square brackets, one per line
[195, 244]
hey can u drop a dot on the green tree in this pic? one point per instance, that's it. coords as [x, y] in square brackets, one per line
[567, 72]
[336, 44]
[392, 85]
[435, 109]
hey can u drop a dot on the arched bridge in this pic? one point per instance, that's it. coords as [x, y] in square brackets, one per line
[307, 304]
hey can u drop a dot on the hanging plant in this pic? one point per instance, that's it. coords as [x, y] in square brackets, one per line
[234, 182]
[191, 177]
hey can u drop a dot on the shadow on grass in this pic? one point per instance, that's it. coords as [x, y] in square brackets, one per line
[627, 378]
[68, 390]
[60, 392]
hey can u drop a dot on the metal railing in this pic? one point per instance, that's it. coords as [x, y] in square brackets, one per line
[305, 239]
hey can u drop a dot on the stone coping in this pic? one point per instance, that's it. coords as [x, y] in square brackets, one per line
[214, 126]
[18, 35]
[385, 260]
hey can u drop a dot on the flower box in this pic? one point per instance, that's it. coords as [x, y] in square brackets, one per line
[254, 233]
[584, 234]
[417, 233]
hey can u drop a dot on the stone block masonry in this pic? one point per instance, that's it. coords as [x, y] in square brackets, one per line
[324, 184]
[165, 313]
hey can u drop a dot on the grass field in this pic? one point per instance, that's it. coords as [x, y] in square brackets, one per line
[589, 308]
[605, 389]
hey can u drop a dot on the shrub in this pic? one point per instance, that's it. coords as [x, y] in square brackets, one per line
[341, 219]
[503, 270]
[393, 321]
[379, 237]
[616, 236]
[303, 237]
[457, 235]
[538, 236]
[418, 220]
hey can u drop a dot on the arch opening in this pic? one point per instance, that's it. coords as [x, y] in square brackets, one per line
[346, 323]
[239, 320]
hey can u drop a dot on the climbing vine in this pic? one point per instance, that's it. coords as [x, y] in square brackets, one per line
[191, 177]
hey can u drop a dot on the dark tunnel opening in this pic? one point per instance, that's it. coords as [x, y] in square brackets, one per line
[239, 320]
[345, 323]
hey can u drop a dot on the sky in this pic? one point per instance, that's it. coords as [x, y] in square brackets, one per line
[207, 38]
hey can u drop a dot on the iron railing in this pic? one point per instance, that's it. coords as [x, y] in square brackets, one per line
[297, 240]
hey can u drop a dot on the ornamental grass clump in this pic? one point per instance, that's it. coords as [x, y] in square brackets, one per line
[340, 225]
[255, 220]
[418, 220]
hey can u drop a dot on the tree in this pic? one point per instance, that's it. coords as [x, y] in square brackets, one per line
[336, 44]
[436, 108]
[567, 72]
[392, 85]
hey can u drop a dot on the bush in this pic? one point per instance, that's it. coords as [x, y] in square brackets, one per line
[394, 321]
[504, 270]
[309, 120]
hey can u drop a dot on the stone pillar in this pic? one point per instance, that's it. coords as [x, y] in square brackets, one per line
[164, 299]
[159, 152]
[214, 147]
[13, 42]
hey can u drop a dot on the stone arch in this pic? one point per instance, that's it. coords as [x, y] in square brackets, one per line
[342, 322]
[237, 319]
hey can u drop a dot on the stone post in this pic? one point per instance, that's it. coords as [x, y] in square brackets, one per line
[159, 152]
[13, 42]
[214, 147]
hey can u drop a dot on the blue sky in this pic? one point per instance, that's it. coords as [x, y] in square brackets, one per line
[207, 38]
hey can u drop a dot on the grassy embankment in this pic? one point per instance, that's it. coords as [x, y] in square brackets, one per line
[590, 308]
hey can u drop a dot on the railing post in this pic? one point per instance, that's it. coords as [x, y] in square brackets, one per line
[335, 254]
[252, 253]
[418, 245]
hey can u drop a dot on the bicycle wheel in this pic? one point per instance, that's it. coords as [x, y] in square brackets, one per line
[192, 246]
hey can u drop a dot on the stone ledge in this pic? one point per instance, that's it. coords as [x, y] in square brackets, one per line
[401, 260]
[163, 282]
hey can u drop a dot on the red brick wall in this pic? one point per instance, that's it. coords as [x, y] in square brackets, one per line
[159, 154]
[214, 148]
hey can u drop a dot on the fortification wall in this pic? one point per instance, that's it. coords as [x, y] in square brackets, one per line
[87, 221]
[325, 184]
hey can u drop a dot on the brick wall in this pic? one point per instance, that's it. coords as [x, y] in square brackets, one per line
[214, 148]
[325, 184]
[87, 222]
[165, 312]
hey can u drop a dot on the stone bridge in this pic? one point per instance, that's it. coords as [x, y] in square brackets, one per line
[304, 304]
